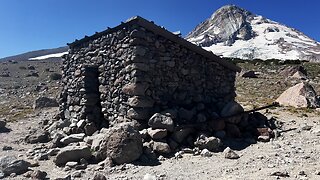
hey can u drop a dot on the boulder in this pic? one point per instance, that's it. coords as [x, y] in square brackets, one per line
[43, 102]
[161, 147]
[210, 143]
[301, 95]
[72, 153]
[291, 70]
[160, 121]
[248, 74]
[38, 136]
[157, 133]
[10, 164]
[231, 108]
[230, 154]
[2, 123]
[72, 138]
[182, 134]
[299, 75]
[122, 143]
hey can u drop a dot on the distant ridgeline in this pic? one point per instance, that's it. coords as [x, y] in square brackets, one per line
[33, 54]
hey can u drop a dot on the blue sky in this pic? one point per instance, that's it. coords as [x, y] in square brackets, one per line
[27, 25]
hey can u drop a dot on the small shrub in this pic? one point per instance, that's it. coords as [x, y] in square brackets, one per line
[55, 76]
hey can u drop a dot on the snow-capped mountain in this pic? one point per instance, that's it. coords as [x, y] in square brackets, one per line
[235, 32]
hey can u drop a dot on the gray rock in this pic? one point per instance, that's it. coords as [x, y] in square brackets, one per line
[182, 134]
[72, 153]
[230, 154]
[157, 133]
[206, 153]
[43, 102]
[99, 176]
[10, 164]
[90, 128]
[122, 143]
[2, 123]
[210, 143]
[161, 147]
[38, 136]
[231, 108]
[72, 138]
[249, 74]
[140, 102]
[71, 164]
[301, 95]
[160, 121]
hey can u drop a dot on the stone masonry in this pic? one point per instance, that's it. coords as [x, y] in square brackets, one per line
[137, 70]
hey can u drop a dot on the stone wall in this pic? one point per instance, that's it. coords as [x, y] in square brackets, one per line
[130, 73]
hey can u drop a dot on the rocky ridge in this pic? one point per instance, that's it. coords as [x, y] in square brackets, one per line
[235, 32]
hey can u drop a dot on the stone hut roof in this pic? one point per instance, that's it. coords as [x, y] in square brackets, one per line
[162, 32]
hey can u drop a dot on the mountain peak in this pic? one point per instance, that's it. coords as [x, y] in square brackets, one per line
[232, 31]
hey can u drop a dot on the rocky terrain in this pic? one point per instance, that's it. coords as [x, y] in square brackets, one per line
[235, 32]
[32, 152]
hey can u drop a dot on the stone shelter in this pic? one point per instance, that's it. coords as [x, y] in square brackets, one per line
[138, 70]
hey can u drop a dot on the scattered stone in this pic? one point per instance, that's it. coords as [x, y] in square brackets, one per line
[38, 136]
[280, 174]
[178, 155]
[230, 154]
[301, 95]
[249, 74]
[149, 177]
[72, 153]
[161, 147]
[37, 174]
[302, 173]
[76, 174]
[2, 123]
[43, 102]
[10, 164]
[160, 121]
[72, 164]
[99, 176]
[157, 133]
[206, 153]
[7, 148]
[122, 143]
[180, 135]
[72, 138]
[210, 143]
[264, 138]
[306, 127]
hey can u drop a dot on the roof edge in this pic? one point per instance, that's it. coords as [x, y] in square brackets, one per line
[165, 33]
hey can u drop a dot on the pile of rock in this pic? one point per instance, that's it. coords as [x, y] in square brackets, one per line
[127, 142]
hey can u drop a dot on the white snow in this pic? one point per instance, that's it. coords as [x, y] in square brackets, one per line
[49, 56]
[283, 43]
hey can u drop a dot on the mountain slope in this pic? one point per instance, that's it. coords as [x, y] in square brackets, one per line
[234, 32]
[39, 54]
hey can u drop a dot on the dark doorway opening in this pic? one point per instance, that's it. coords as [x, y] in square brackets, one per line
[93, 109]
